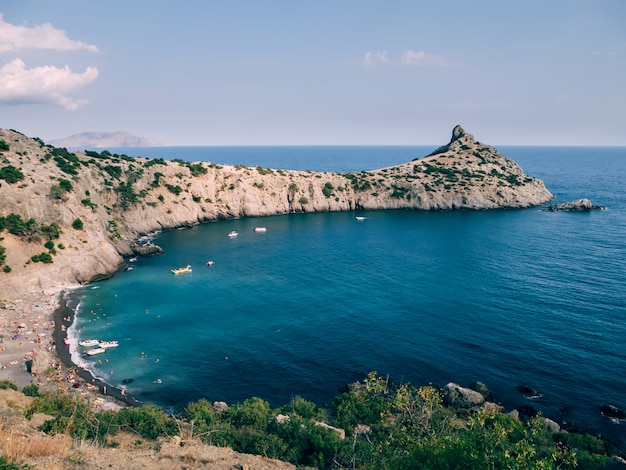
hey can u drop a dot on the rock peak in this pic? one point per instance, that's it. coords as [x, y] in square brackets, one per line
[457, 133]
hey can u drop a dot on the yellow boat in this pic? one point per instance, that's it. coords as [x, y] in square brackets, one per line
[182, 270]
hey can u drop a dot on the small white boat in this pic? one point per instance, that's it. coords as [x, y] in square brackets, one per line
[360, 217]
[233, 234]
[260, 229]
[93, 352]
[88, 343]
[108, 344]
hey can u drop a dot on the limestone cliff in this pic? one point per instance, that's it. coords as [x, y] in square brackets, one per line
[102, 203]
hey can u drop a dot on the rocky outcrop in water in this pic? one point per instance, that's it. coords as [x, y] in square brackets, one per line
[102, 202]
[579, 205]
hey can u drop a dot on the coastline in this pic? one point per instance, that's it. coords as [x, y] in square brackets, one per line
[63, 319]
[33, 329]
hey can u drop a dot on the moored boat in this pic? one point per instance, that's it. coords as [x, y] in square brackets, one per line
[93, 352]
[182, 270]
[88, 343]
[108, 344]
[233, 234]
[260, 229]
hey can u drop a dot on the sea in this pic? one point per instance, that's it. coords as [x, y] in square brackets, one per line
[318, 300]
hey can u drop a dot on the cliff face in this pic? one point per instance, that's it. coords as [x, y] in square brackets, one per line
[118, 198]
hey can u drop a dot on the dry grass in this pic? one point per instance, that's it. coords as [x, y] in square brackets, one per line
[20, 445]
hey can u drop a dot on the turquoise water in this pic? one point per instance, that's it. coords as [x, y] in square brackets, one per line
[319, 300]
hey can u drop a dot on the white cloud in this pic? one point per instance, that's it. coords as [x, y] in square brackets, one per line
[45, 36]
[373, 58]
[46, 84]
[422, 59]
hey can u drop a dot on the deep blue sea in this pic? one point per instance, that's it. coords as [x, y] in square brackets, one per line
[505, 297]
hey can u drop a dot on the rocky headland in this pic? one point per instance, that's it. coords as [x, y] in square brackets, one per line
[99, 204]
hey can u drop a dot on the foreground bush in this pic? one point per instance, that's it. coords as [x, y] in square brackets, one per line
[387, 427]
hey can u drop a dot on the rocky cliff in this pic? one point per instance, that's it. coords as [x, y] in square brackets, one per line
[93, 206]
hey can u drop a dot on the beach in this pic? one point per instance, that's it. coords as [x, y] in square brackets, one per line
[33, 350]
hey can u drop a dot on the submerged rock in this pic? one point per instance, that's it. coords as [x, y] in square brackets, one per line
[613, 411]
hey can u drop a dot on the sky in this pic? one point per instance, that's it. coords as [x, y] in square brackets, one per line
[324, 72]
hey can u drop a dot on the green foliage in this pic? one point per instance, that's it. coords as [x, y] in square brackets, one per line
[126, 194]
[399, 192]
[174, 189]
[253, 412]
[68, 162]
[17, 226]
[303, 200]
[31, 390]
[7, 385]
[87, 202]
[7, 463]
[407, 427]
[157, 176]
[3, 255]
[43, 257]
[66, 185]
[3, 145]
[49, 245]
[327, 190]
[303, 408]
[113, 170]
[264, 171]
[11, 174]
[148, 421]
[77, 224]
[155, 161]
[51, 231]
[197, 169]
[7, 269]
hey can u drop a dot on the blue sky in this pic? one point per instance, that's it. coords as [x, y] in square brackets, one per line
[319, 72]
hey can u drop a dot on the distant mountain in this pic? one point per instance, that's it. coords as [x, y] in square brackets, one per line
[89, 140]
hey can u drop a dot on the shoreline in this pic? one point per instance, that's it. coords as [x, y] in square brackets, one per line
[60, 316]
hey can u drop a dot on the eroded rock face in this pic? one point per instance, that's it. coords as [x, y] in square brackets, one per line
[117, 199]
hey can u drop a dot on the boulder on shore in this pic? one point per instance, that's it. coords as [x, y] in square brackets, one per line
[462, 397]
[579, 205]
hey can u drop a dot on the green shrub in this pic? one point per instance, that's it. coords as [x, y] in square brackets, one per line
[77, 224]
[49, 245]
[327, 190]
[7, 269]
[7, 463]
[148, 421]
[31, 390]
[43, 257]
[66, 185]
[301, 407]
[4, 145]
[7, 385]
[303, 200]
[174, 189]
[11, 174]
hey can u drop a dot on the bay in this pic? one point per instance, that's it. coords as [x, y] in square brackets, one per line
[319, 300]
